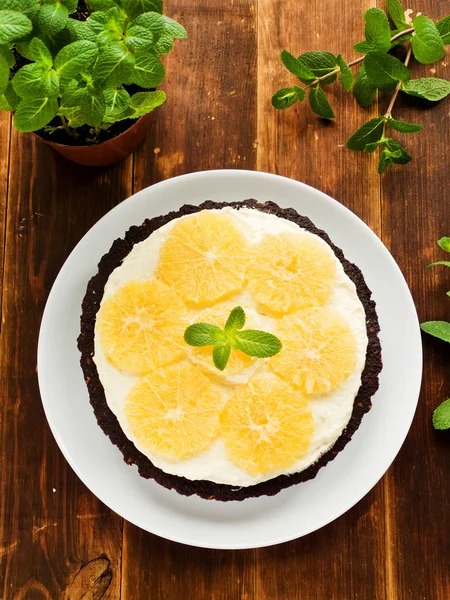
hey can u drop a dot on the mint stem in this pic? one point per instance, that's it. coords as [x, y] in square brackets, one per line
[399, 85]
[361, 58]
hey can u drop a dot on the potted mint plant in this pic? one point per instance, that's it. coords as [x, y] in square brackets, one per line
[83, 75]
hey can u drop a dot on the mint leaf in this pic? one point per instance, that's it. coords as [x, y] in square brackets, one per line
[71, 5]
[319, 103]
[399, 41]
[429, 88]
[441, 416]
[138, 37]
[286, 97]
[117, 100]
[404, 126]
[148, 70]
[397, 14]
[438, 329]
[7, 55]
[4, 75]
[346, 76]
[399, 158]
[75, 58]
[363, 90]
[52, 18]
[236, 320]
[372, 146]
[384, 70]
[297, 66]
[133, 8]
[446, 263]
[40, 53]
[144, 102]
[93, 106]
[372, 131]
[377, 29]
[33, 114]
[443, 27]
[202, 334]
[444, 243]
[34, 80]
[101, 4]
[427, 44]
[13, 26]
[364, 47]
[221, 354]
[174, 29]
[152, 22]
[115, 65]
[320, 63]
[11, 97]
[384, 162]
[256, 343]
[80, 30]
[163, 46]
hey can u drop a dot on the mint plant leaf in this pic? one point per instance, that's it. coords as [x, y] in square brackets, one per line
[148, 70]
[372, 131]
[163, 46]
[115, 65]
[296, 66]
[4, 75]
[429, 88]
[256, 343]
[138, 37]
[441, 416]
[404, 126]
[427, 45]
[40, 53]
[11, 97]
[174, 29]
[346, 76]
[384, 162]
[203, 334]
[320, 63]
[152, 21]
[364, 47]
[74, 58]
[52, 18]
[399, 158]
[93, 107]
[236, 320]
[372, 146]
[102, 4]
[133, 8]
[377, 29]
[445, 263]
[443, 27]
[7, 55]
[221, 354]
[34, 80]
[33, 114]
[444, 243]
[363, 90]
[319, 103]
[401, 40]
[71, 5]
[80, 30]
[285, 98]
[117, 100]
[397, 14]
[438, 329]
[144, 102]
[384, 70]
[13, 26]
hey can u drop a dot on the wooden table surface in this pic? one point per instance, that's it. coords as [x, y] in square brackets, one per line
[56, 539]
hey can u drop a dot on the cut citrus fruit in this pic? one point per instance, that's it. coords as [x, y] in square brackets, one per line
[202, 355]
[203, 259]
[141, 326]
[174, 411]
[267, 425]
[291, 271]
[319, 350]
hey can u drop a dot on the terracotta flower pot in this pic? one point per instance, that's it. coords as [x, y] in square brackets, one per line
[106, 153]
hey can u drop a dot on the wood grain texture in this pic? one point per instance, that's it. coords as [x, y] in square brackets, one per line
[51, 526]
[56, 539]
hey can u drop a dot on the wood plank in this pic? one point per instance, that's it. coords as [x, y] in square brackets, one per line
[209, 121]
[345, 559]
[5, 130]
[415, 201]
[52, 529]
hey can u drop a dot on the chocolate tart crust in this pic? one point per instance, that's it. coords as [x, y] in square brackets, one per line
[108, 421]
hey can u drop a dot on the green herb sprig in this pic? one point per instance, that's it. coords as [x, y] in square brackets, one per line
[379, 70]
[250, 341]
[94, 72]
[441, 330]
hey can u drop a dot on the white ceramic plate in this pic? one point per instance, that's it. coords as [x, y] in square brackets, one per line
[256, 522]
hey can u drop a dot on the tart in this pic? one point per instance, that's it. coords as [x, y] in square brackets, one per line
[260, 424]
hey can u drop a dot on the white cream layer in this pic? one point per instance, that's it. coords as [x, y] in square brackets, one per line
[331, 412]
